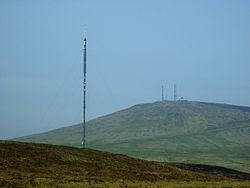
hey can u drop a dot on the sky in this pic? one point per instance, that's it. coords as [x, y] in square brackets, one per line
[133, 48]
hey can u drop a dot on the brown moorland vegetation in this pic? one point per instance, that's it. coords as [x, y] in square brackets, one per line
[41, 165]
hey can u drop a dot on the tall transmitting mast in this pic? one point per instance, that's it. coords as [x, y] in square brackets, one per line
[175, 92]
[162, 93]
[84, 92]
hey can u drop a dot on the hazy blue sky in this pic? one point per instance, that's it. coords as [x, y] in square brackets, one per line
[134, 46]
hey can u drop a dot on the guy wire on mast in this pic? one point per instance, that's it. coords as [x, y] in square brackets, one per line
[84, 91]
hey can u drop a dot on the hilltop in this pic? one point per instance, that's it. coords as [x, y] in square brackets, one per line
[41, 165]
[180, 131]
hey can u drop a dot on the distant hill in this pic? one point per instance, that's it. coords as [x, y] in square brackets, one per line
[181, 131]
[39, 165]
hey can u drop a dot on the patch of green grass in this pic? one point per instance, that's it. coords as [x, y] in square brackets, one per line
[194, 132]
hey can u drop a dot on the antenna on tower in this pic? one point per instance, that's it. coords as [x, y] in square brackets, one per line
[175, 92]
[84, 90]
[162, 93]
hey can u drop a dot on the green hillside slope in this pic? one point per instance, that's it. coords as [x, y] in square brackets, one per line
[38, 165]
[181, 131]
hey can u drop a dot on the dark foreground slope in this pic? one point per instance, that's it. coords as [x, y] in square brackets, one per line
[39, 165]
[181, 131]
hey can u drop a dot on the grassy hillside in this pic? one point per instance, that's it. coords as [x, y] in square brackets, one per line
[38, 165]
[182, 131]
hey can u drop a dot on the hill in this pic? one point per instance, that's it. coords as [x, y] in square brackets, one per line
[181, 131]
[40, 165]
